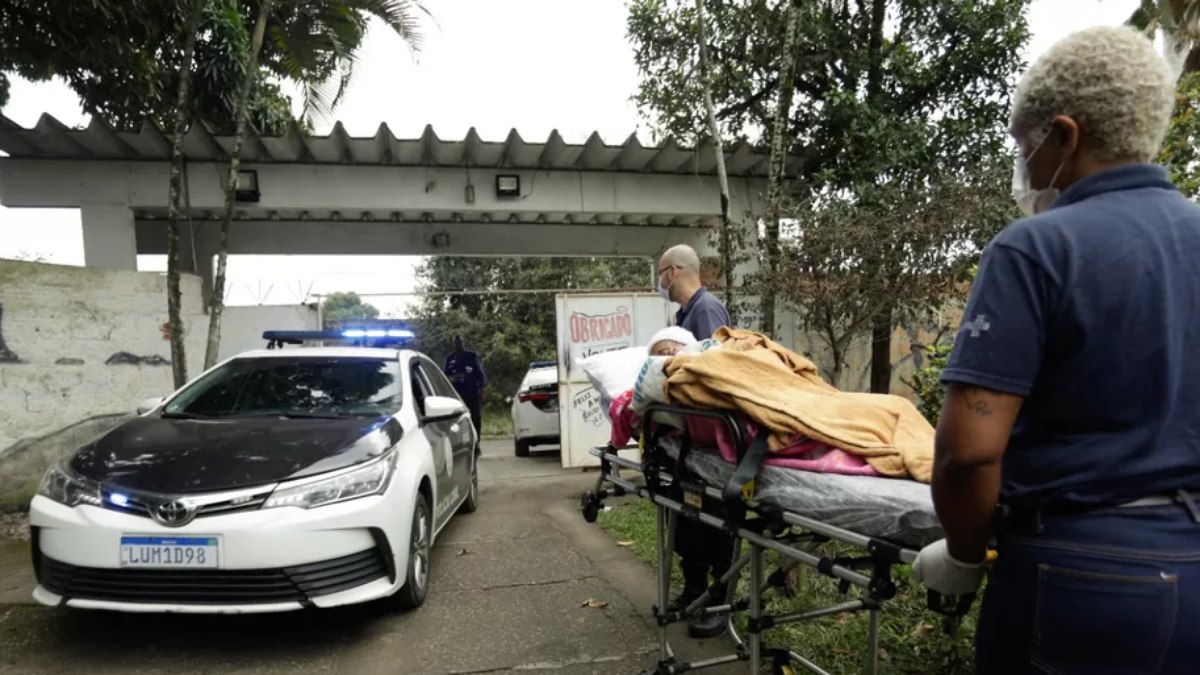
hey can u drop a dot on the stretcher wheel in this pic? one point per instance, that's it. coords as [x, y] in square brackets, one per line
[591, 506]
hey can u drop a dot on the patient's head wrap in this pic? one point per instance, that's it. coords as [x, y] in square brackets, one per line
[675, 334]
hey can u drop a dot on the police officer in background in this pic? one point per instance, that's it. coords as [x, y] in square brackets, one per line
[702, 550]
[465, 372]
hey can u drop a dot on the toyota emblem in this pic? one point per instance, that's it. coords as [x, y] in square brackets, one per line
[173, 513]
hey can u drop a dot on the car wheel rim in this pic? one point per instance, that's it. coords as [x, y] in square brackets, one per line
[420, 552]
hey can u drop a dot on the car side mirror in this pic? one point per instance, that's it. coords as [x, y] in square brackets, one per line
[149, 404]
[437, 407]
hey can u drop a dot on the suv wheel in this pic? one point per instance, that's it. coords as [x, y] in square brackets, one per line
[522, 448]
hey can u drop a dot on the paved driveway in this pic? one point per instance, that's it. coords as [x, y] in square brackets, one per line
[507, 588]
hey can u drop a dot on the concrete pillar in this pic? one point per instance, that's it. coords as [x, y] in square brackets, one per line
[109, 237]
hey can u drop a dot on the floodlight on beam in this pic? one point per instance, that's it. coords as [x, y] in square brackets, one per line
[247, 186]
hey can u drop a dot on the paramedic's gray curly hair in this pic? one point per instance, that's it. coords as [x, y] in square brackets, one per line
[1108, 79]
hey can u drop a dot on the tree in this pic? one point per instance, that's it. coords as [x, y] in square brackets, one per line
[1179, 150]
[1178, 22]
[338, 307]
[888, 94]
[130, 70]
[174, 192]
[508, 330]
[333, 31]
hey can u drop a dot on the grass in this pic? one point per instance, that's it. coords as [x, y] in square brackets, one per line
[912, 641]
[497, 423]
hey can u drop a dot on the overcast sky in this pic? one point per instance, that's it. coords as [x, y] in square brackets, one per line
[535, 65]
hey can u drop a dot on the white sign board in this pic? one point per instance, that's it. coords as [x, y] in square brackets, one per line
[588, 325]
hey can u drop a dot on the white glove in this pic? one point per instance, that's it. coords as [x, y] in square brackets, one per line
[939, 571]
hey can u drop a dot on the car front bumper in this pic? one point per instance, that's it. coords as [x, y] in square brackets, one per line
[269, 560]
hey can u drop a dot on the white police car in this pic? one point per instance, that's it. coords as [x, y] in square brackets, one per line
[535, 408]
[277, 480]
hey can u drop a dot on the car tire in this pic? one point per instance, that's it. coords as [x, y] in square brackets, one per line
[416, 582]
[471, 503]
[522, 448]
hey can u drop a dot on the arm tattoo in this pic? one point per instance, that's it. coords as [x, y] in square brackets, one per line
[976, 402]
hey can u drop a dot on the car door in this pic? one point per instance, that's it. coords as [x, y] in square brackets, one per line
[462, 439]
[443, 437]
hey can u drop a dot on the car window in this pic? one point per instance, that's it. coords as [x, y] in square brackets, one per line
[420, 386]
[441, 385]
[294, 385]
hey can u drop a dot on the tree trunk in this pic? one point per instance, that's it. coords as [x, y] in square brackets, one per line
[182, 104]
[881, 330]
[779, 147]
[726, 236]
[881, 353]
[235, 157]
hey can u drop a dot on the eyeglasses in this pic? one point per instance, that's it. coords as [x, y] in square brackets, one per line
[667, 269]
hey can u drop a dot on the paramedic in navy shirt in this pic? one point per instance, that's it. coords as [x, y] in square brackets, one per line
[1073, 395]
[465, 372]
[701, 549]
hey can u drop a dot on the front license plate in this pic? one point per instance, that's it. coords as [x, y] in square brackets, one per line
[170, 552]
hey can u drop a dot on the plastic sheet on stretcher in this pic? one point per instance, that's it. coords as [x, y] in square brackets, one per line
[897, 510]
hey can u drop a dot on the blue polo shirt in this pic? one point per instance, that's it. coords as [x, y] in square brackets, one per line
[702, 315]
[1091, 311]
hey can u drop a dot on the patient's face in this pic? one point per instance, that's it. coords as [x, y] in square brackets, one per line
[665, 348]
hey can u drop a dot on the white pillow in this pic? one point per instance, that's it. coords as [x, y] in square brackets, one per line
[614, 373]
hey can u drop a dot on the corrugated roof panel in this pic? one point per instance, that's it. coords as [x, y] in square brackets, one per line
[52, 140]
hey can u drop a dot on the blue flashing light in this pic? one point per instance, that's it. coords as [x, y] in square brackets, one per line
[118, 499]
[377, 337]
[543, 364]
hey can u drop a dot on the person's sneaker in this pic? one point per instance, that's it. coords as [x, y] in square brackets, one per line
[682, 601]
[708, 625]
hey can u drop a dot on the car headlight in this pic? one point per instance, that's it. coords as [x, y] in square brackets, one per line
[64, 487]
[362, 481]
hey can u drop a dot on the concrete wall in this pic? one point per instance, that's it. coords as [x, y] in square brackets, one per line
[242, 327]
[79, 348]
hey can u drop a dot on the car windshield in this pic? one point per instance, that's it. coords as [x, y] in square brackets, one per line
[293, 387]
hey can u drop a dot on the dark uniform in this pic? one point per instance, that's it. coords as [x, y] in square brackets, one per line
[465, 372]
[702, 550]
[1091, 312]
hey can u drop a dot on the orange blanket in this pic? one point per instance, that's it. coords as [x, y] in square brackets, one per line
[782, 391]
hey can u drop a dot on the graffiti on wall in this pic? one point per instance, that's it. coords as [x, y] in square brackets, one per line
[118, 359]
[6, 354]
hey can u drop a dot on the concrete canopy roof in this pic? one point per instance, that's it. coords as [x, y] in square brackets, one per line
[51, 139]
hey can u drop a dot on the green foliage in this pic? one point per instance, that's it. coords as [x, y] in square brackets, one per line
[128, 70]
[339, 307]
[899, 114]
[1179, 151]
[926, 382]
[508, 331]
[911, 637]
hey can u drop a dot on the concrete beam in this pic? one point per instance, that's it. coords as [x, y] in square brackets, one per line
[109, 237]
[291, 237]
[287, 187]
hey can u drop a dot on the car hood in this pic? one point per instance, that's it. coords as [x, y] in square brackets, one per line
[182, 456]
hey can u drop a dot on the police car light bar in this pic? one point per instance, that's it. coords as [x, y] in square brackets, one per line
[375, 337]
[543, 364]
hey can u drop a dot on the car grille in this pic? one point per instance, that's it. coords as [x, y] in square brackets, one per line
[213, 587]
[140, 506]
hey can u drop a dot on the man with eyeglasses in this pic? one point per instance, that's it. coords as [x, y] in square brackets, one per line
[702, 550]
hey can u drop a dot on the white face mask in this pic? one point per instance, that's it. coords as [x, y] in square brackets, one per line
[665, 291]
[1032, 201]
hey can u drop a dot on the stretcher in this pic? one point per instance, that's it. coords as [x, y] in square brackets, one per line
[775, 509]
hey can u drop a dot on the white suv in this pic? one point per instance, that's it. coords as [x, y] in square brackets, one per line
[535, 408]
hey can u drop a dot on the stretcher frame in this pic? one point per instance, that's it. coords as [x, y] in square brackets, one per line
[762, 528]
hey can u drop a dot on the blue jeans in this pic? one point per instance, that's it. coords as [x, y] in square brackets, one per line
[1109, 592]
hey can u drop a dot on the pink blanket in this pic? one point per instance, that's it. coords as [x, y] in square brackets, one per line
[803, 454]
